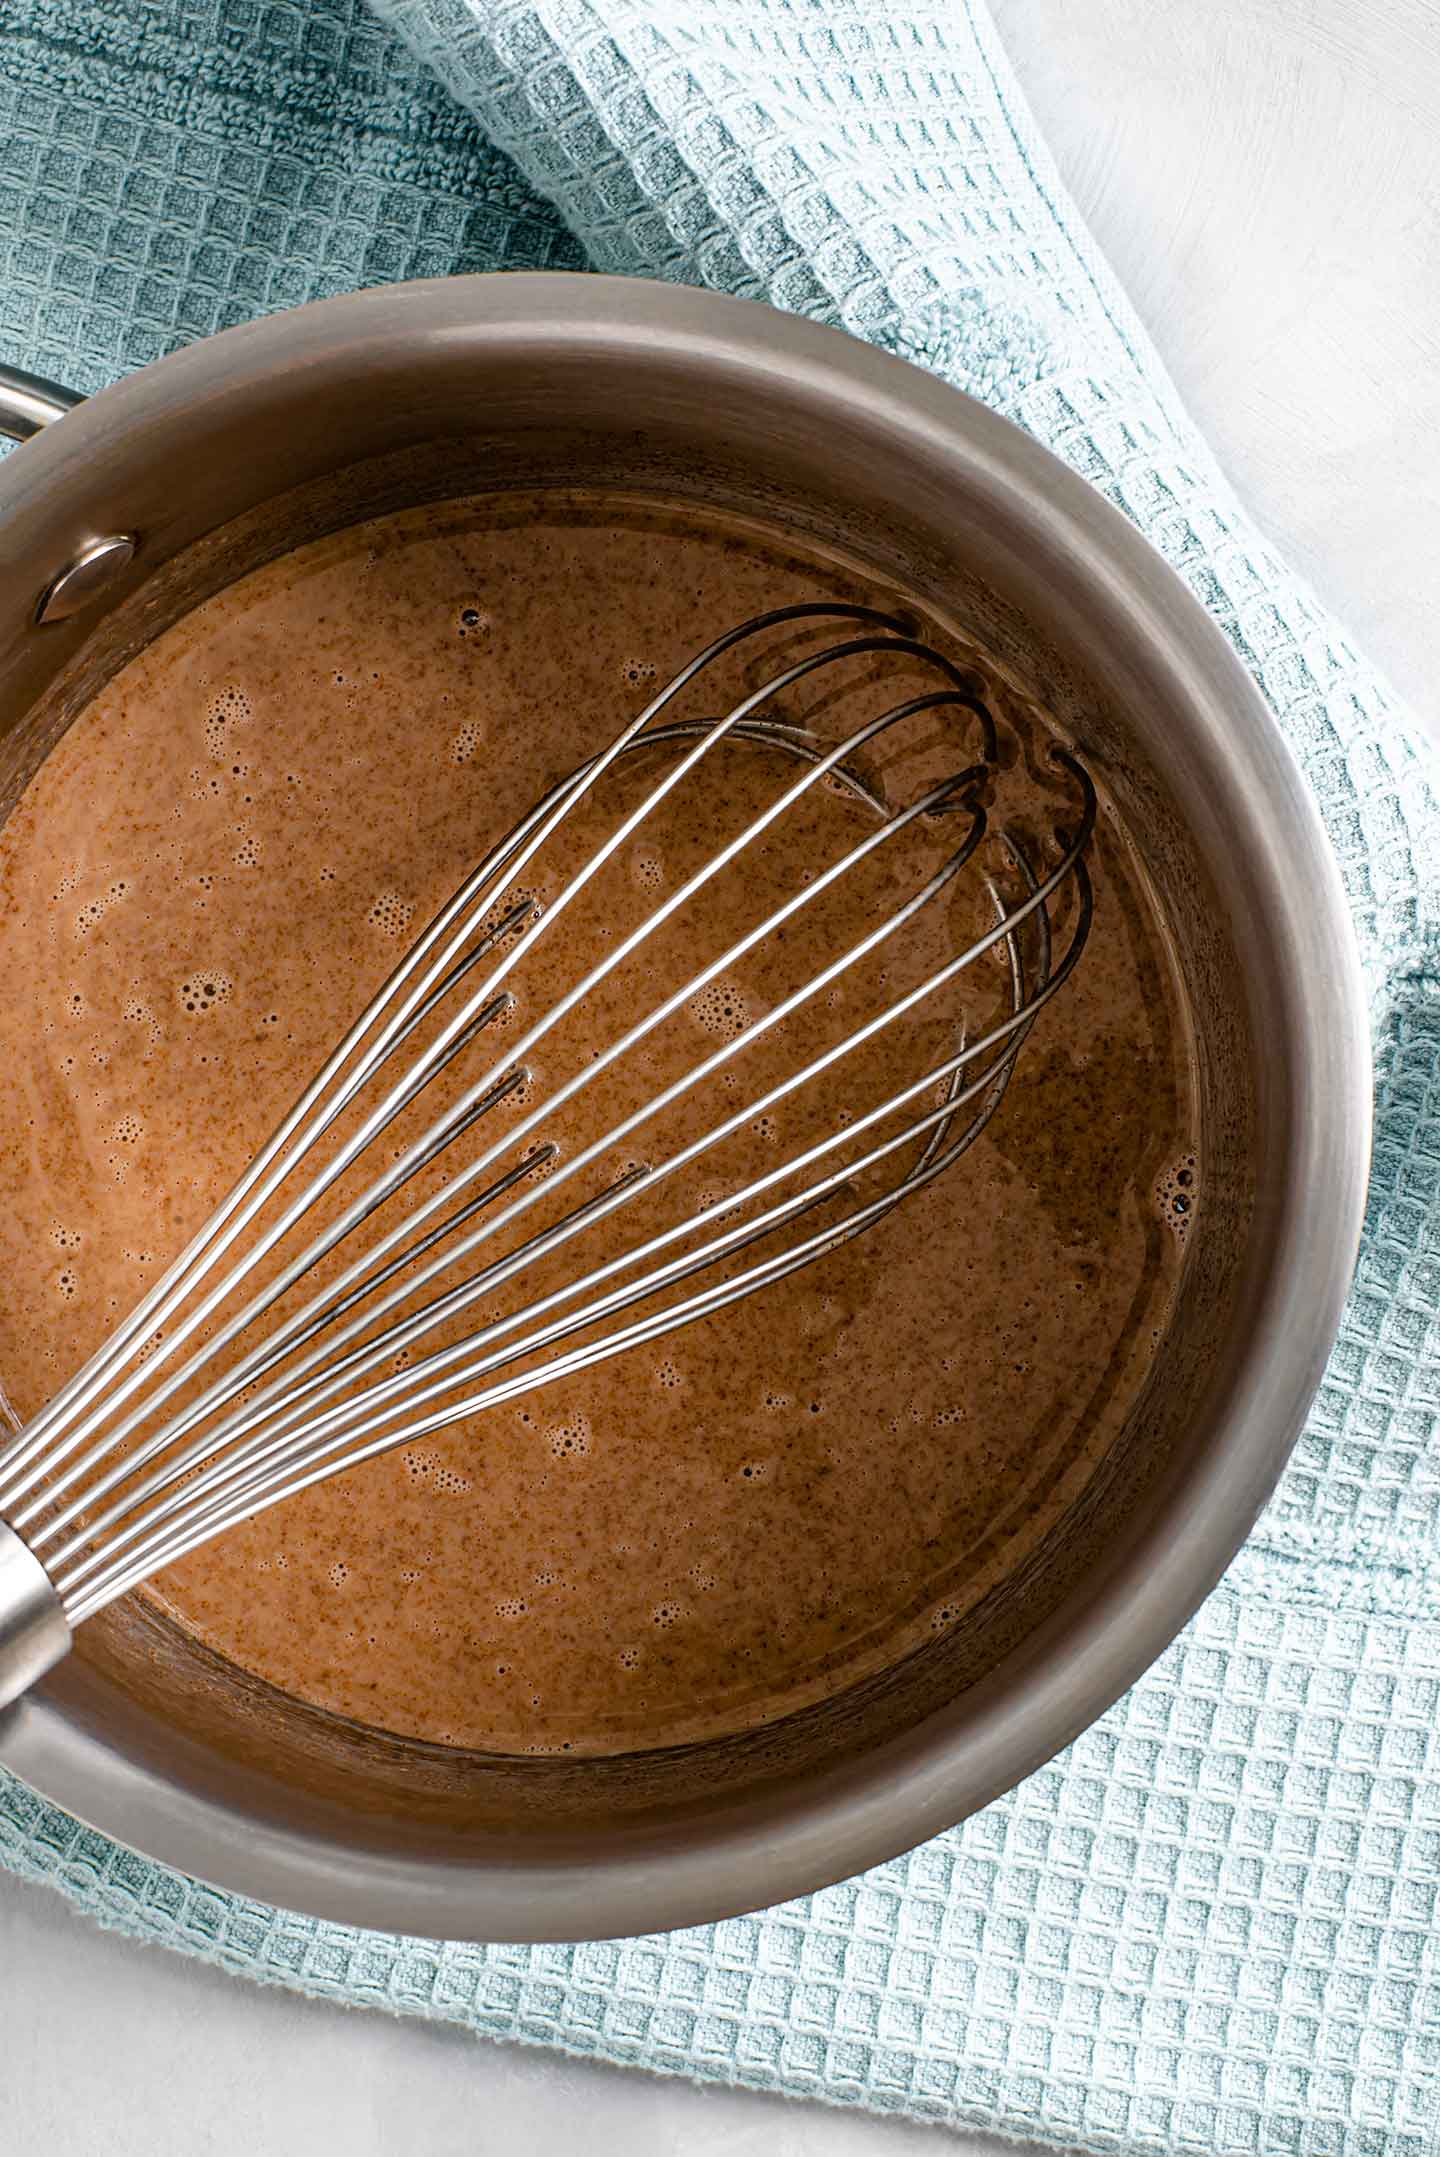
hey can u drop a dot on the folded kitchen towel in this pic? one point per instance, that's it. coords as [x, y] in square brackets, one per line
[1212, 1924]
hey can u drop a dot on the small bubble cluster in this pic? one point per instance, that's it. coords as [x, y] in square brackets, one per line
[466, 741]
[66, 1282]
[391, 914]
[229, 707]
[247, 853]
[648, 871]
[636, 671]
[128, 1131]
[423, 1466]
[667, 1613]
[668, 1376]
[96, 909]
[571, 1439]
[473, 622]
[203, 991]
[1176, 1193]
[721, 1009]
[138, 1013]
[65, 1239]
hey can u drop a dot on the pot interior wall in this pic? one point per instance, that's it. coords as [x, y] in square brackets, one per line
[162, 1701]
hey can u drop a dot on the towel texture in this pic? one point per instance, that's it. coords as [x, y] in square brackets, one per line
[1212, 1925]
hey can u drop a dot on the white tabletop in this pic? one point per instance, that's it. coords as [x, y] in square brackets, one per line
[1265, 176]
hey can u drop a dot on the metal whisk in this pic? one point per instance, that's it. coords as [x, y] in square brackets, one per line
[210, 1402]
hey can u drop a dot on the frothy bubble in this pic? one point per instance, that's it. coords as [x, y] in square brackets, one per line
[228, 708]
[466, 741]
[721, 1008]
[391, 915]
[138, 1013]
[426, 1468]
[204, 989]
[1177, 1194]
[569, 1440]
[97, 908]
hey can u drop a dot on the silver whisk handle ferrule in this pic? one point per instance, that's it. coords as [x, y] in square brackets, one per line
[34, 1631]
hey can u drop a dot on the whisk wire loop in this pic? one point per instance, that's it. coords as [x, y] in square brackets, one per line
[194, 1415]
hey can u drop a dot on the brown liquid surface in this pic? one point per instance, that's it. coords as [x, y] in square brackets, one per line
[222, 861]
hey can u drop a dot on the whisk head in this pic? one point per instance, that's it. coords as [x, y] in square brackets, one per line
[521, 1162]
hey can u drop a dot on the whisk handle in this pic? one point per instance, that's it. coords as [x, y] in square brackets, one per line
[34, 1631]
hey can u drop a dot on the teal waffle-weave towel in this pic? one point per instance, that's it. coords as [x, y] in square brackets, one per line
[1212, 1925]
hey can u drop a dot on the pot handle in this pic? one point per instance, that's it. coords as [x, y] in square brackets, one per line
[28, 403]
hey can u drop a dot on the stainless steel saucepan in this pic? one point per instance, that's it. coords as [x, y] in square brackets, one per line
[128, 508]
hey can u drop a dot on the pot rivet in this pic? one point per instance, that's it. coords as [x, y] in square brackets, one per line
[86, 577]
